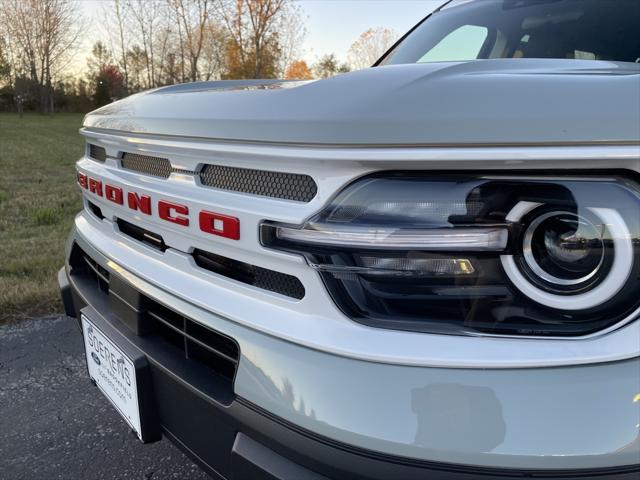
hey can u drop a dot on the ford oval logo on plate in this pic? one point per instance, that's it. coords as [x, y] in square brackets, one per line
[95, 357]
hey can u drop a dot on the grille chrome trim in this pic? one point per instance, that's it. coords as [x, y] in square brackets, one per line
[155, 166]
[286, 186]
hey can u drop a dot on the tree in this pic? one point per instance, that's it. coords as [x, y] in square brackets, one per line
[150, 43]
[241, 63]
[328, 66]
[44, 33]
[6, 85]
[263, 16]
[370, 46]
[137, 61]
[100, 55]
[160, 42]
[193, 21]
[214, 51]
[254, 48]
[291, 34]
[106, 77]
[146, 16]
[8, 68]
[114, 17]
[299, 70]
[109, 85]
[77, 98]
[5, 68]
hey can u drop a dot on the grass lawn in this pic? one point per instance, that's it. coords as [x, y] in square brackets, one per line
[38, 200]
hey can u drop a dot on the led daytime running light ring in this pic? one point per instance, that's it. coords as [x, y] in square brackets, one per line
[537, 269]
[605, 291]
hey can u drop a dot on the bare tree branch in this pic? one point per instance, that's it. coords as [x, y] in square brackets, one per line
[370, 46]
[45, 33]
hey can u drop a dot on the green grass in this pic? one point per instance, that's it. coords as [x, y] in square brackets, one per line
[38, 200]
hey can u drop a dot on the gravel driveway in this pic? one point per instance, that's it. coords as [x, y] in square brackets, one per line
[54, 424]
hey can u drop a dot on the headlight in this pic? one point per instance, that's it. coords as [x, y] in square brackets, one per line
[467, 254]
[564, 249]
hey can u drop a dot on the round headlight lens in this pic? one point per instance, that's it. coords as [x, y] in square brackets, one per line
[562, 248]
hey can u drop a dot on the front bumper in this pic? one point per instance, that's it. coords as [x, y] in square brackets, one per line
[294, 412]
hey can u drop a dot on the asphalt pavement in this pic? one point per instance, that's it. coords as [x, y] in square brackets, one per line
[54, 424]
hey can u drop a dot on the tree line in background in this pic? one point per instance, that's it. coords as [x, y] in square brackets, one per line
[152, 43]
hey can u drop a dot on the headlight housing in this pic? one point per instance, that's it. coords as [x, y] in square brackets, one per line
[453, 253]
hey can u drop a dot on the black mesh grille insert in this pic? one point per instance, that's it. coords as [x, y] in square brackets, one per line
[97, 153]
[236, 270]
[250, 274]
[156, 166]
[287, 186]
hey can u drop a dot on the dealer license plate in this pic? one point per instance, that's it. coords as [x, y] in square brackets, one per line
[113, 372]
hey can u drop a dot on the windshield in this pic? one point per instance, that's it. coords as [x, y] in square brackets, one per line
[483, 29]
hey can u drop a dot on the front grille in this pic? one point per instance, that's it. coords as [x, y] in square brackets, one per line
[83, 265]
[287, 186]
[174, 333]
[97, 153]
[156, 166]
[282, 185]
[246, 273]
[196, 342]
[250, 274]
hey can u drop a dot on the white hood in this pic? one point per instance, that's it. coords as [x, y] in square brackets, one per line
[514, 101]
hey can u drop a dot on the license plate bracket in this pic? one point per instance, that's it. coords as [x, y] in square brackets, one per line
[121, 373]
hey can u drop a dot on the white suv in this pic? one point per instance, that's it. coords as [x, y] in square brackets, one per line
[426, 269]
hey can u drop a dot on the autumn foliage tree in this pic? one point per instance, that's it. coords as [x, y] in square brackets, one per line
[244, 62]
[143, 44]
[299, 70]
[109, 85]
[194, 27]
[257, 33]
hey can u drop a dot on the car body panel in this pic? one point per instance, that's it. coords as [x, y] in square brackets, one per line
[476, 400]
[313, 321]
[484, 102]
[537, 418]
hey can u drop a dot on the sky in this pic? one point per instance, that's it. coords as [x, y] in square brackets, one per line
[332, 25]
